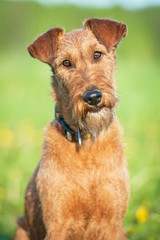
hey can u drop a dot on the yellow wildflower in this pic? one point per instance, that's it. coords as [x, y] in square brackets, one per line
[142, 214]
[6, 138]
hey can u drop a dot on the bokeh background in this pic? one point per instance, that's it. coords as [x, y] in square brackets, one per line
[26, 105]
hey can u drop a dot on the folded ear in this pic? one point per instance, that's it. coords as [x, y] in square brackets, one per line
[45, 46]
[107, 32]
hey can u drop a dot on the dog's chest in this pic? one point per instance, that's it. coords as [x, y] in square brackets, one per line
[86, 201]
[90, 192]
[84, 191]
[95, 191]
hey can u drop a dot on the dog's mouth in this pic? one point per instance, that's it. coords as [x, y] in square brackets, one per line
[99, 112]
[97, 109]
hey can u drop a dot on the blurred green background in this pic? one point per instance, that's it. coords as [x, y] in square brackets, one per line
[26, 106]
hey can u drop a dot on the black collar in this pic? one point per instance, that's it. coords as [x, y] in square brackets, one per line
[68, 132]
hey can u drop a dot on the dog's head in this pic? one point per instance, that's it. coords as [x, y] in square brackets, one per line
[83, 62]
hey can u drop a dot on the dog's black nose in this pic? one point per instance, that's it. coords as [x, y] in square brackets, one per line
[93, 97]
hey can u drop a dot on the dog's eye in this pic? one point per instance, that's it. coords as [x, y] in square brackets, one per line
[66, 63]
[97, 55]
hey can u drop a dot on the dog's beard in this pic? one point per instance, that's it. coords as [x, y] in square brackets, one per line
[95, 122]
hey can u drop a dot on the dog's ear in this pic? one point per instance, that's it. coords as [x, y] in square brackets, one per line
[44, 47]
[107, 32]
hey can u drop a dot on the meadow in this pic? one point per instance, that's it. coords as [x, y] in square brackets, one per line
[26, 106]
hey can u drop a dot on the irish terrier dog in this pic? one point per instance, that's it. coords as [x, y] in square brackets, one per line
[80, 189]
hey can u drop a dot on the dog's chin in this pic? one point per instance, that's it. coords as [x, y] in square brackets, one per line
[97, 120]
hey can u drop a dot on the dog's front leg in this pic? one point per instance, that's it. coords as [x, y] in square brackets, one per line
[51, 187]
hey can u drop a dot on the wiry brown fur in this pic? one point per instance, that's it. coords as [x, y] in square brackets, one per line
[78, 194]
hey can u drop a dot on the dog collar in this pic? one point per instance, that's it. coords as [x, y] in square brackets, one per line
[68, 132]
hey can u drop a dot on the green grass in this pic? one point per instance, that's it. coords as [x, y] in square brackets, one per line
[26, 106]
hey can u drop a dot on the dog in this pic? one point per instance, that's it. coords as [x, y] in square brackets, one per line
[80, 189]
